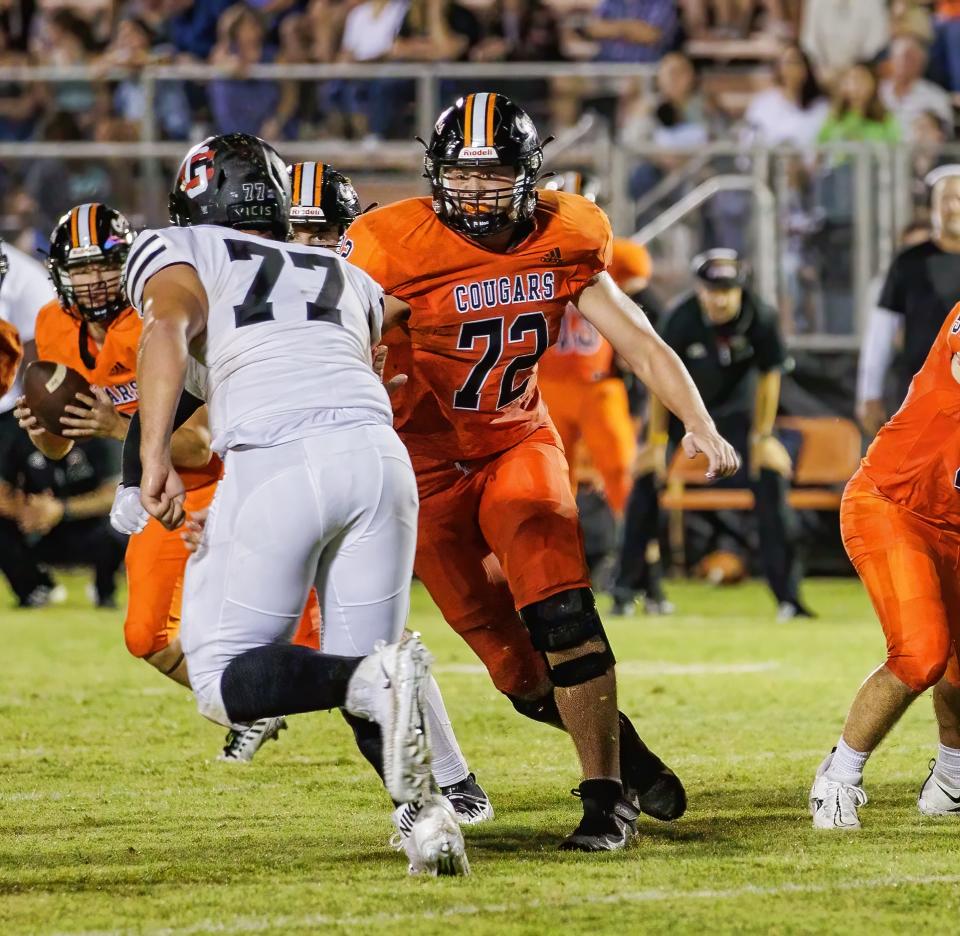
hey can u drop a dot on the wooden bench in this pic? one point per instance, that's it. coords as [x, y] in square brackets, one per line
[829, 454]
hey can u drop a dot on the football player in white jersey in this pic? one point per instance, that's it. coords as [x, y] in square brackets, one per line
[318, 217]
[317, 488]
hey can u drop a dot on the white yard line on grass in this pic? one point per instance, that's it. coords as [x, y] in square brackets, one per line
[259, 924]
[645, 669]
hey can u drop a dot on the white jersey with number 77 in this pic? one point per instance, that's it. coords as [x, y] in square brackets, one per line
[289, 334]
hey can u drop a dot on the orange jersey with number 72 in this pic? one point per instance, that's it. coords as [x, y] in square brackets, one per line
[479, 320]
[915, 458]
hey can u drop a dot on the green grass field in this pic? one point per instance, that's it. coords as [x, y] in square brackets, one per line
[115, 818]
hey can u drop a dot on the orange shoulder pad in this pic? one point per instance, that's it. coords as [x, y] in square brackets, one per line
[55, 334]
[585, 227]
[376, 241]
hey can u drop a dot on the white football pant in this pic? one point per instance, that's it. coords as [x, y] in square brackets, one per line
[338, 510]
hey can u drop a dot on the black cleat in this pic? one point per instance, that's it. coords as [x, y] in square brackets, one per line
[648, 783]
[469, 801]
[609, 820]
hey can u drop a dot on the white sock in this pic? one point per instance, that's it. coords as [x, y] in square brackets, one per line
[947, 766]
[847, 764]
[447, 760]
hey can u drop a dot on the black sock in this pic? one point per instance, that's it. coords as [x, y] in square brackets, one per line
[283, 679]
[602, 793]
[369, 740]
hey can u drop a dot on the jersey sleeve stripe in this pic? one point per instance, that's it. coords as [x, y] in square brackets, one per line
[135, 278]
[137, 253]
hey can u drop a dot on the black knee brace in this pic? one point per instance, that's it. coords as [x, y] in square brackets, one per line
[563, 622]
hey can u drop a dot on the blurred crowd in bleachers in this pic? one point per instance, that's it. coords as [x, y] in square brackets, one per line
[769, 73]
[718, 59]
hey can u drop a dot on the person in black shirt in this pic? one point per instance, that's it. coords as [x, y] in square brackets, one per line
[922, 286]
[731, 345]
[54, 512]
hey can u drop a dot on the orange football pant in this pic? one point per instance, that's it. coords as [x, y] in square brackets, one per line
[911, 571]
[155, 560]
[496, 535]
[598, 413]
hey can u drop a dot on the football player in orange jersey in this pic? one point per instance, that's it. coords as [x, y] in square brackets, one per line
[477, 280]
[900, 519]
[578, 377]
[323, 205]
[91, 328]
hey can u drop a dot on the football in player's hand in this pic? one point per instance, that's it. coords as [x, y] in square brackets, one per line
[50, 387]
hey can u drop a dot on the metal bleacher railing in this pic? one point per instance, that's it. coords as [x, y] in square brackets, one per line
[857, 199]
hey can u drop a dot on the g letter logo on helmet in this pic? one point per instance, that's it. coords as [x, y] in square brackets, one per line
[197, 171]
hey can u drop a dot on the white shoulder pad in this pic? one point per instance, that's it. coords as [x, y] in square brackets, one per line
[151, 252]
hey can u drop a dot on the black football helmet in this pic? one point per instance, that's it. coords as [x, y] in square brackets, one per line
[576, 183]
[484, 130]
[92, 238]
[235, 180]
[322, 200]
[4, 263]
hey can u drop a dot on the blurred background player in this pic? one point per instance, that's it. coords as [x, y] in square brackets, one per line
[24, 288]
[921, 286]
[91, 328]
[901, 528]
[59, 513]
[731, 344]
[581, 383]
[499, 534]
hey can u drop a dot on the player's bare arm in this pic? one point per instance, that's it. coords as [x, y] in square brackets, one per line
[395, 312]
[190, 443]
[175, 312]
[624, 325]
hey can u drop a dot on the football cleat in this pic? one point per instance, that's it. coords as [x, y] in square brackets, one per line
[387, 688]
[241, 746]
[604, 826]
[428, 831]
[648, 783]
[834, 805]
[938, 798]
[469, 801]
